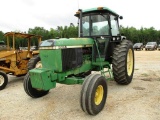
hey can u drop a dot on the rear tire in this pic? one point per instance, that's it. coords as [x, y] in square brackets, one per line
[93, 94]
[32, 92]
[123, 62]
[3, 80]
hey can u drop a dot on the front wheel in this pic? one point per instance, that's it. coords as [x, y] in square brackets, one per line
[3, 80]
[32, 92]
[34, 62]
[123, 62]
[93, 94]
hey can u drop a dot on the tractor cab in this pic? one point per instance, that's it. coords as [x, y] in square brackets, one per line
[99, 22]
[102, 25]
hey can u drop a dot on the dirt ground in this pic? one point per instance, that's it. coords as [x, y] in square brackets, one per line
[139, 100]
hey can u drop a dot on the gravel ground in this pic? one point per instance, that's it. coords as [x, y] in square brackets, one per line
[139, 100]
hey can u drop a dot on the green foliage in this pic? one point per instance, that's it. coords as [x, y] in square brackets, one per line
[38, 31]
[60, 32]
[143, 35]
[1, 36]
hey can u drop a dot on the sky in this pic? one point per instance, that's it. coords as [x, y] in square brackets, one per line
[20, 15]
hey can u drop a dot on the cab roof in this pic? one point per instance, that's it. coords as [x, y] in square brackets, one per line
[105, 9]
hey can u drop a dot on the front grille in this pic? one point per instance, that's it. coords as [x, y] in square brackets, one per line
[71, 58]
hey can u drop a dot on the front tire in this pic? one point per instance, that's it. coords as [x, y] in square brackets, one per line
[32, 92]
[123, 63]
[34, 62]
[3, 80]
[93, 94]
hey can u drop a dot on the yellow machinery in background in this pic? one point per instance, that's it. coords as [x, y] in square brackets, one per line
[14, 60]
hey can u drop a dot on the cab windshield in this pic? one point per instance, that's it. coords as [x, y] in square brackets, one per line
[93, 25]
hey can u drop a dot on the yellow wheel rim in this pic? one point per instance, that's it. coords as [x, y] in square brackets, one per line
[98, 95]
[129, 62]
[1, 80]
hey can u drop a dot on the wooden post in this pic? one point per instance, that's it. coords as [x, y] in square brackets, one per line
[39, 40]
[13, 41]
[29, 43]
[7, 42]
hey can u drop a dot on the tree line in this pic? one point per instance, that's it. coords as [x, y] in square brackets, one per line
[60, 32]
[143, 35]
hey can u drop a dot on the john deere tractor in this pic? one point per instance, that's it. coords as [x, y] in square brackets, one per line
[99, 47]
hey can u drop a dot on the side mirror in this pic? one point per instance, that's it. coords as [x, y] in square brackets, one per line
[121, 17]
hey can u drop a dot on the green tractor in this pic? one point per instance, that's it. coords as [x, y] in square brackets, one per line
[99, 47]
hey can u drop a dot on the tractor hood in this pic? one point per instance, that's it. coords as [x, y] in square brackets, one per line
[63, 54]
[66, 43]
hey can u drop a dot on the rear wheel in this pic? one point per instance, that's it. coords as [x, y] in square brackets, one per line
[93, 94]
[123, 63]
[32, 92]
[3, 80]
